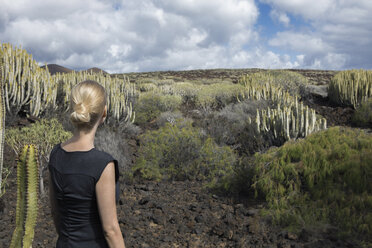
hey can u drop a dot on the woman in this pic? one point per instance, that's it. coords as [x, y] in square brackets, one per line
[83, 180]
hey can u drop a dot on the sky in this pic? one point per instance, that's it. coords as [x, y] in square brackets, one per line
[122, 36]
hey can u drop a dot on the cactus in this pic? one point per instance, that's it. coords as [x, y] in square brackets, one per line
[276, 85]
[290, 119]
[27, 198]
[25, 83]
[32, 196]
[120, 92]
[289, 122]
[351, 87]
[2, 123]
[21, 199]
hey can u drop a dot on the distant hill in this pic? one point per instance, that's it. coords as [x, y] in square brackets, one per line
[54, 68]
[96, 70]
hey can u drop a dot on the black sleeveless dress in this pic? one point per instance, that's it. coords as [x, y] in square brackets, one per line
[74, 176]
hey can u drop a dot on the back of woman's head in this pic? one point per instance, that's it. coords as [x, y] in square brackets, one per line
[88, 100]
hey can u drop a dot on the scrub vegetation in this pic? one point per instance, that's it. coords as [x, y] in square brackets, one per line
[255, 133]
[324, 178]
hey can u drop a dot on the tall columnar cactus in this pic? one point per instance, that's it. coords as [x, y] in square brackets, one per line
[2, 123]
[25, 83]
[27, 198]
[351, 87]
[21, 199]
[278, 86]
[289, 119]
[289, 122]
[120, 92]
[260, 86]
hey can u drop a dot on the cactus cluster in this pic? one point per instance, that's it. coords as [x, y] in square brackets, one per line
[27, 198]
[290, 119]
[351, 87]
[289, 81]
[266, 91]
[2, 123]
[26, 84]
[120, 92]
[289, 122]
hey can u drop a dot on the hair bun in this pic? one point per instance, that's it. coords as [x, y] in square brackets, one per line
[80, 108]
[88, 99]
[80, 114]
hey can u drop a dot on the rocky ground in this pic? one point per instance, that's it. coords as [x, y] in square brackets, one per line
[175, 214]
[183, 214]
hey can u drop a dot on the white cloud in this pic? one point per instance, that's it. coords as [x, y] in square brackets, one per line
[148, 35]
[307, 43]
[131, 35]
[340, 33]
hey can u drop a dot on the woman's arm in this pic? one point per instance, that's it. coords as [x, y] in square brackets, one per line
[105, 193]
[53, 204]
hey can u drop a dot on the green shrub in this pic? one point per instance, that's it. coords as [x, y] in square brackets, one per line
[239, 181]
[150, 84]
[215, 96]
[144, 87]
[44, 134]
[324, 178]
[151, 104]
[179, 151]
[230, 126]
[204, 96]
[363, 115]
[4, 184]
[170, 117]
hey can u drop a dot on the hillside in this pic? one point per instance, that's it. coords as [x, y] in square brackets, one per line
[96, 70]
[54, 68]
[184, 213]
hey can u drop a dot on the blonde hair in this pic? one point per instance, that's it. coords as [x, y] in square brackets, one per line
[88, 100]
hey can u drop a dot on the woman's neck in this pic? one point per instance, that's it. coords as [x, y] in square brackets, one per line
[82, 139]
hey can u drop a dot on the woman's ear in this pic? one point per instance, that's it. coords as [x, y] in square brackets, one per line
[105, 112]
[104, 115]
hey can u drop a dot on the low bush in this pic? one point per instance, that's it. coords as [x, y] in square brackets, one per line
[170, 117]
[324, 178]
[115, 143]
[204, 96]
[151, 104]
[179, 151]
[363, 115]
[144, 87]
[217, 96]
[150, 84]
[44, 134]
[230, 126]
[292, 82]
[238, 182]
